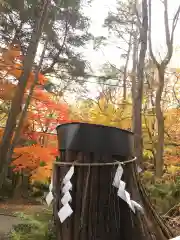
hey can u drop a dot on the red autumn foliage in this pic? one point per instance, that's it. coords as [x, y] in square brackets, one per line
[44, 113]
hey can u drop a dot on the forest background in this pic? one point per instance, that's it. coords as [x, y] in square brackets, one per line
[57, 67]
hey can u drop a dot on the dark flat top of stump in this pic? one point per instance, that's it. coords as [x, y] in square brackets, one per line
[94, 125]
[99, 139]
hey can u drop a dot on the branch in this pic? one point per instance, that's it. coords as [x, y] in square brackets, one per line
[150, 132]
[174, 24]
[174, 207]
[60, 48]
[174, 90]
[169, 37]
[150, 37]
[139, 22]
[125, 74]
[166, 22]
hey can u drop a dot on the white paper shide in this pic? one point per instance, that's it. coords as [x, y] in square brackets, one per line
[118, 176]
[49, 196]
[66, 209]
[122, 193]
[176, 238]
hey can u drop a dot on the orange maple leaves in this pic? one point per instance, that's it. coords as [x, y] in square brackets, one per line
[11, 65]
[34, 159]
[44, 114]
[32, 156]
[10, 55]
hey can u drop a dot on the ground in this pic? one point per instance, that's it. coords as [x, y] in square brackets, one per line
[8, 218]
[7, 222]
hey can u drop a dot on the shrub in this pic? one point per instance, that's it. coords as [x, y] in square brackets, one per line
[164, 192]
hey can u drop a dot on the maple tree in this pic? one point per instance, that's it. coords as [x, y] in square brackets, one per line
[44, 113]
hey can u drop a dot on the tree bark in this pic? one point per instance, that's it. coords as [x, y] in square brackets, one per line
[98, 213]
[133, 76]
[125, 74]
[159, 163]
[140, 82]
[19, 94]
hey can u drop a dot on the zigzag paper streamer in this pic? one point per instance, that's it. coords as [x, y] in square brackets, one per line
[66, 198]
[139, 169]
[67, 187]
[118, 176]
[137, 206]
[65, 212]
[122, 193]
[68, 175]
[49, 196]
[66, 209]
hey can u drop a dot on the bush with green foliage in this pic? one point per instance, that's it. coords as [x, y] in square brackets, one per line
[164, 193]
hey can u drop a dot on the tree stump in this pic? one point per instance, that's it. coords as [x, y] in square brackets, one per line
[98, 213]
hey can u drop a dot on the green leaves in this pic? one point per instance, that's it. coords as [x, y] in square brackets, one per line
[98, 42]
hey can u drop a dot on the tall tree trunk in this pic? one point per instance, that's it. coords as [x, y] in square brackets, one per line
[133, 76]
[126, 66]
[159, 162]
[160, 124]
[19, 94]
[140, 83]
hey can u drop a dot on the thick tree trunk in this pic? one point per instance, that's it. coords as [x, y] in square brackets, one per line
[18, 98]
[159, 162]
[98, 212]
